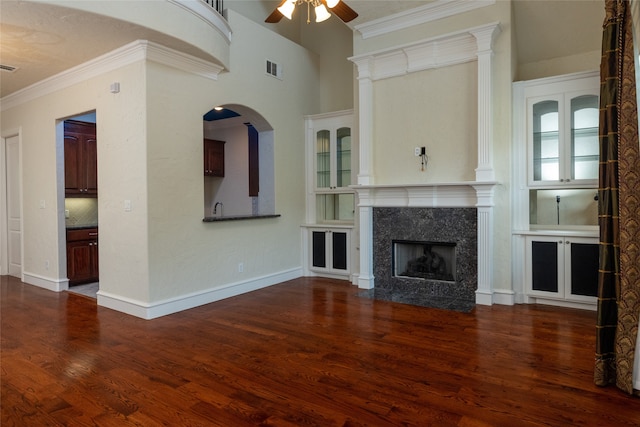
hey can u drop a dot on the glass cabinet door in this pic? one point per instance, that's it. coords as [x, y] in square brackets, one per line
[323, 159]
[343, 157]
[546, 141]
[584, 137]
[563, 139]
[333, 158]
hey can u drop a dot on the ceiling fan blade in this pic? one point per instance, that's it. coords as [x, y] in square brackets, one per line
[344, 12]
[275, 16]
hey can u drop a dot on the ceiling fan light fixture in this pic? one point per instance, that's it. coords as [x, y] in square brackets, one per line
[322, 14]
[287, 8]
[338, 7]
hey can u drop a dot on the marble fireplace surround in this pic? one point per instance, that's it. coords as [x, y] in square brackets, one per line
[460, 212]
[443, 225]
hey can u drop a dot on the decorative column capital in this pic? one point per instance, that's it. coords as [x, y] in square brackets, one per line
[485, 37]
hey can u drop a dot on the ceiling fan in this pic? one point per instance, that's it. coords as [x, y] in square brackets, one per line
[338, 7]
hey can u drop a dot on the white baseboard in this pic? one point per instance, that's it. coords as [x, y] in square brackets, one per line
[504, 297]
[156, 309]
[497, 296]
[484, 298]
[564, 303]
[56, 285]
[365, 282]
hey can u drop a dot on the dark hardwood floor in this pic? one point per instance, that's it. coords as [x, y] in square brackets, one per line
[309, 352]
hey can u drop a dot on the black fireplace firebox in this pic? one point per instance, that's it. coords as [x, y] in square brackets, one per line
[424, 260]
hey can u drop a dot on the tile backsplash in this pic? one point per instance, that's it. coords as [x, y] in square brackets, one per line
[81, 212]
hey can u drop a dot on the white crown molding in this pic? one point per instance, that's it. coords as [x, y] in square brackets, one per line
[182, 61]
[430, 12]
[138, 50]
[436, 52]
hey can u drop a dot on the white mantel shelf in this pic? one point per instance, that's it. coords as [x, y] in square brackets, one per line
[436, 195]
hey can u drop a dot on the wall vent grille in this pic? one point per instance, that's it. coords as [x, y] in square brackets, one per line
[274, 69]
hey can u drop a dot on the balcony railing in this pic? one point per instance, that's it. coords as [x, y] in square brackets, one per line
[217, 5]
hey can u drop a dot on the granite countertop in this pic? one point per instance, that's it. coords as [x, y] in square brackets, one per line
[81, 226]
[237, 217]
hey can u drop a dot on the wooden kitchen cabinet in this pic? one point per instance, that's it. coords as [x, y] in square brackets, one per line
[80, 159]
[213, 157]
[82, 256]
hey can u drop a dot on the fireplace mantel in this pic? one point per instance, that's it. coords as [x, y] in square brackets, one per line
[476, 194]
[428, 195]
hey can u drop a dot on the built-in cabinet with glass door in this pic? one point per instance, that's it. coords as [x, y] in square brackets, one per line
[563, 139]
[556, 209]
[330, 201]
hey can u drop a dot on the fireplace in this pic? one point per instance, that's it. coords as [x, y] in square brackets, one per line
[424, 260]
[440, 243]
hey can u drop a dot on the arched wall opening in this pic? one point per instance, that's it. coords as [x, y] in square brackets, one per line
[238, 163]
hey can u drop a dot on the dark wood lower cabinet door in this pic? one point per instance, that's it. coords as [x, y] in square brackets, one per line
[82, 262]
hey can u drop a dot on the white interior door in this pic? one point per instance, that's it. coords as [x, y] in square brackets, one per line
[14, 213]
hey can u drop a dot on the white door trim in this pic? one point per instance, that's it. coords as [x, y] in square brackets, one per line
[7, 265]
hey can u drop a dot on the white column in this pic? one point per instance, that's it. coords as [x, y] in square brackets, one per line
[365, 170]
[484, 293]
[484, 38]
[365, 120]
[365, 209]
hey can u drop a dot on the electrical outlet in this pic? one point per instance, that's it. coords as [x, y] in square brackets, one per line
[240, 267]
[46, 265]
[416, 151]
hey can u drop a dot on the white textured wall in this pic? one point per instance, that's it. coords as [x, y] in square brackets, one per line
[331, 40]
[187, 255]
[121, 134]
[150, 153]
[411, 111]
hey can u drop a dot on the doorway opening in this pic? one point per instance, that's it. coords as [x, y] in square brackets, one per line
[79, 149]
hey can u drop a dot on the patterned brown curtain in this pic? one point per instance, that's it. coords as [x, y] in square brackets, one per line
[619, 206]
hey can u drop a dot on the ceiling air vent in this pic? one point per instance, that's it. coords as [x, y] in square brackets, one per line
[8, 68]
[274, 69]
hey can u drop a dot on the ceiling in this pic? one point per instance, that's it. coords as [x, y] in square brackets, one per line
[42, 40]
